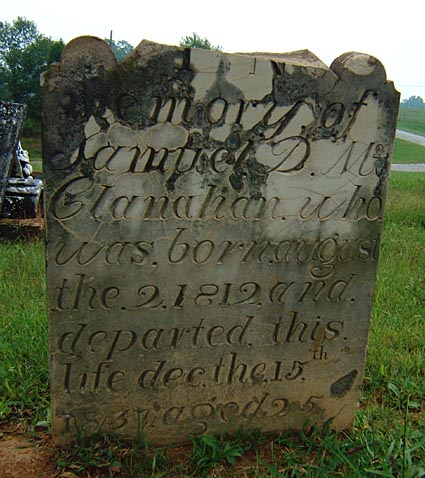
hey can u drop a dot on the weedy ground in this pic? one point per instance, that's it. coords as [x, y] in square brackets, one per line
[389, 435]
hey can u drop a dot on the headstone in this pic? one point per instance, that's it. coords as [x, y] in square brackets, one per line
[12, 116]
[20, 193]
[214, 224]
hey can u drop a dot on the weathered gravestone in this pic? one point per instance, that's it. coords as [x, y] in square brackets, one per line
[214, 223]
[12, 116]
[20, 193]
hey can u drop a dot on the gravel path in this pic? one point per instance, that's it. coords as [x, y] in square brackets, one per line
[413, 138]
[410, 168]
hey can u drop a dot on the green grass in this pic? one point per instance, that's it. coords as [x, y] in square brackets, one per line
[397, 337]
[400, 296]
[408, 153]
[411, 120]
[389, 435]
[23, 338]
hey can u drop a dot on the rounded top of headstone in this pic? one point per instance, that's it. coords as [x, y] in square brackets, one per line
[87, 50]
[359, 65]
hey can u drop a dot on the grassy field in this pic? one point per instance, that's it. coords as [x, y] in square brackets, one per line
[408, 153]
[411, 120]
[389, 435]
[23, 338]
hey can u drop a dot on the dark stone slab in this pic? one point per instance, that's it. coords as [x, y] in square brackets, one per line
[12, 116]
[22, 198]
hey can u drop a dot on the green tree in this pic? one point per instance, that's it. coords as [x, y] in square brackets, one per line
[121, 48]
[24, 55]
[195, 41]
[16, 36]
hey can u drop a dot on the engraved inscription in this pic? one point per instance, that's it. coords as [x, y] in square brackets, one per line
[71, 202]
[213, 233]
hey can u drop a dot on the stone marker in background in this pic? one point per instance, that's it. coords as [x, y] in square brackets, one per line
[20, 193]
[12, 116]
[214, 223]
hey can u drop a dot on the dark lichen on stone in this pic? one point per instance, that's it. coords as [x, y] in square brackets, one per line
[343, 385]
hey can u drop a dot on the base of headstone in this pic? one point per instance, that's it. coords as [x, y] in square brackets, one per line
[22, 198]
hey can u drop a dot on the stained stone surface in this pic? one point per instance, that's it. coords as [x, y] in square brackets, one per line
[214, 225]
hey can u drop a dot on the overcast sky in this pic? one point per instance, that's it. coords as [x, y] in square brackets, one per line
[395, 35]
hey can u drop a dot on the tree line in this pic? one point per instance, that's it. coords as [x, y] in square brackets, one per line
[413, 102]
[24, 54]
